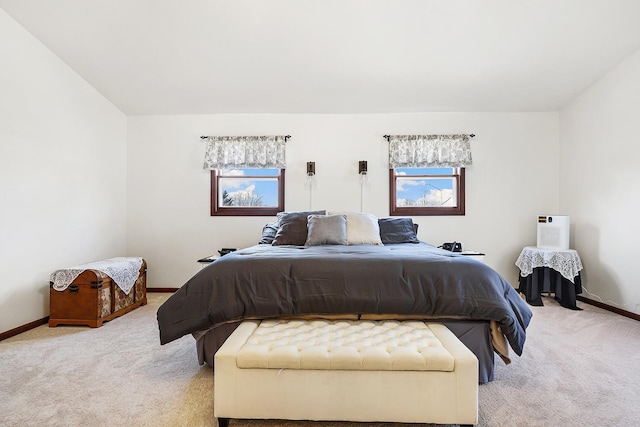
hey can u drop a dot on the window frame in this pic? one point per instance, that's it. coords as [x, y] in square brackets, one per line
[458, 210]
[217, 210]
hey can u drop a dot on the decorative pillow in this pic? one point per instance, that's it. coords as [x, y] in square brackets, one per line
[362, 228]
[326, 230]
[268, 233]
[397, 230]
[292, 227]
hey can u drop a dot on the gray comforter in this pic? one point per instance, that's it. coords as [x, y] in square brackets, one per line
[265, 281]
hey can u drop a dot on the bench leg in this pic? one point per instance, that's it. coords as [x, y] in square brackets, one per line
[223, 422]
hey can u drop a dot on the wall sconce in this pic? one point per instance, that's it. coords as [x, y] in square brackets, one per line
[362, 167]
[310, 180]
[310, 177]
[363, 172]
[364, 180]
[311, 168]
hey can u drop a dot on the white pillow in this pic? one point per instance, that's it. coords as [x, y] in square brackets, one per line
[362, 228]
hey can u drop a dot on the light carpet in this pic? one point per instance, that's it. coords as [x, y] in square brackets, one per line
[579, 368]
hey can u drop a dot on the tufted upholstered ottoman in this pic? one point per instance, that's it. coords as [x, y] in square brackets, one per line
[347, 371]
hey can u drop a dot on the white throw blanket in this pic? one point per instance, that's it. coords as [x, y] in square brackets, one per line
[124, 271]
[566, 262]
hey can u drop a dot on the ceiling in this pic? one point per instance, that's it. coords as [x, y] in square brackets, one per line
[335, 56]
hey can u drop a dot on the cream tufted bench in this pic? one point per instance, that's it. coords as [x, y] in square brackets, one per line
[346, 370]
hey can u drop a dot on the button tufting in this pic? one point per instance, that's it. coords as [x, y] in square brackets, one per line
[357, 345]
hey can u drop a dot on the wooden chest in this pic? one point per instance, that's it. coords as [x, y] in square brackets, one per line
[93, 298]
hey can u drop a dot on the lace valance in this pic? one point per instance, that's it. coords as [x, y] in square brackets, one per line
[124, 271]
[228, 152]
[419, 151]
[566, 262]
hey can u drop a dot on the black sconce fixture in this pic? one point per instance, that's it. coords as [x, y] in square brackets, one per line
[364, 181]
[310, 180]
[311, 168]
[362, 167]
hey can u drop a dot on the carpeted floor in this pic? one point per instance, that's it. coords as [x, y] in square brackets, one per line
[579, 368]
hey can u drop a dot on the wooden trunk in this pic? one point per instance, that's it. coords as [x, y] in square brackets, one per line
[93, 298]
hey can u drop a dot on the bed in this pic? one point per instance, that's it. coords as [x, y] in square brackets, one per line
[361, 268]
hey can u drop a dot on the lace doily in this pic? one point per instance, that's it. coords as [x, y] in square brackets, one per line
[124, 271]
[566, 262]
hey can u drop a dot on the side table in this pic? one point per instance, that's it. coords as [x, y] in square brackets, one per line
[550, 270]
[478, 256]
[207, 260]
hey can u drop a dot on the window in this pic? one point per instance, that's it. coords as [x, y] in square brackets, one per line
[426, 191]
[247, 192]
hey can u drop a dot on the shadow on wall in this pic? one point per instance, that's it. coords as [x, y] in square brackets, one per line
[597, 278]
[13, 301]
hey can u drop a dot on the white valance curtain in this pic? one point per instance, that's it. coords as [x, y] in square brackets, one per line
[419, 151]
[228, 152]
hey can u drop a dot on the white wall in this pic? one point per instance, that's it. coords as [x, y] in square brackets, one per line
[62, 174]
[599, 181]
[514, 178]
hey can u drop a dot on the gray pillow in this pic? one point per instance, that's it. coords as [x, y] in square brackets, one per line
[326, 230]
[292, 227]
[397, 230]
[268, 233]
